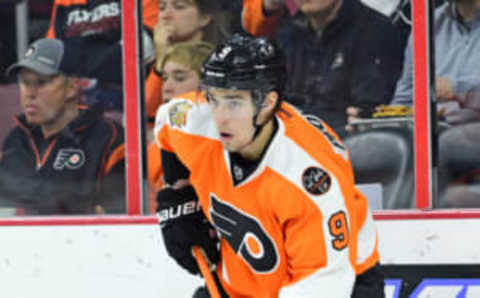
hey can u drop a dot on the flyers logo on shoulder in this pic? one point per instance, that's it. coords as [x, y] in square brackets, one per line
[71, 159]
[177, 113]
[316, 181]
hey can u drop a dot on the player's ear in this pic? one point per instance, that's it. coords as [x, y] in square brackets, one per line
[268, 105]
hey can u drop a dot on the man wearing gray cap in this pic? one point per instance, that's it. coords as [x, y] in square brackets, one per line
[61, 158]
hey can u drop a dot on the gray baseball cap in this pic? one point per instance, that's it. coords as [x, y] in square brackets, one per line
[44, 56]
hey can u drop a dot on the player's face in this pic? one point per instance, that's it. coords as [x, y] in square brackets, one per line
[314, 6]
[43, 98]
[178, 79]
[184, 17]
[233, 111]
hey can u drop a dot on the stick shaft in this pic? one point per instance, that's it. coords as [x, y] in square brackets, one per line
[205, 270]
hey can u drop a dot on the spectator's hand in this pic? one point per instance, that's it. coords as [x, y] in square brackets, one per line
[353, 113]
[441, 114]
[460, 116]
[273, 5]
[444, 89]
[99, 210]
[163, 37]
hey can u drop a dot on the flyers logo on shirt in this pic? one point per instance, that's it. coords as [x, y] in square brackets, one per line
[338, 62]
[245, 235]
[177, 113]
[71, 159]
[316, 181]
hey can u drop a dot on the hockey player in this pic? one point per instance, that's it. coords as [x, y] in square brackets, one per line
[278, 188]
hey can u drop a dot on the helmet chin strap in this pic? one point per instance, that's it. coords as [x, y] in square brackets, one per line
[258, 96]
[258, 129]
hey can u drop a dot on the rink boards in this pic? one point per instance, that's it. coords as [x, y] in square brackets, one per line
[124, 257]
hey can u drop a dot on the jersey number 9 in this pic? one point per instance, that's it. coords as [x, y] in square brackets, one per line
[338, 227]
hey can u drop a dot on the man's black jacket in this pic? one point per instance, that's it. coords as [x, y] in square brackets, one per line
[68, 173]
[355, 61]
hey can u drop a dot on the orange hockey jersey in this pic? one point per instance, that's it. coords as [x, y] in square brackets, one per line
[297, 226]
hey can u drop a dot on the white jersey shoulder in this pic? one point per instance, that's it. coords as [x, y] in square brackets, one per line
[190, 117]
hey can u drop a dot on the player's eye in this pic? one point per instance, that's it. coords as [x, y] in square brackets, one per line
[234, 104]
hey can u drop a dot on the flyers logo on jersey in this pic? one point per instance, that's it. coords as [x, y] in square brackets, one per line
[245, 235]
[316, 181]
[71, 159]
[177, 113]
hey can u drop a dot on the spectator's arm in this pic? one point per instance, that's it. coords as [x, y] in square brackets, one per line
[256, 22]
[466, 90]
[111, 192]
[468, 100]
[404, 90]
[154, 165]
[150, 14]
[8, 183]
[51, 29]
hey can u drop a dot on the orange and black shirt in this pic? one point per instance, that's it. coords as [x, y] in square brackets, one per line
[69, 173]
[99, 18]
[295, 226]
[93, 28]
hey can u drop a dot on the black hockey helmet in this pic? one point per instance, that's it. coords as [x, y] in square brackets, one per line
[246, 62]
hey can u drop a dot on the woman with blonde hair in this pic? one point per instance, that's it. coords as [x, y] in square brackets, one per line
[181, 67]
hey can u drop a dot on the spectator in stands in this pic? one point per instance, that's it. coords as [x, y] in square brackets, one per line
[457, 62]
[339, 53]
[182, 21]
[457, 66]
[180, 70]
[459, 166]
[61, 158]
[457, 83]
[95, 27]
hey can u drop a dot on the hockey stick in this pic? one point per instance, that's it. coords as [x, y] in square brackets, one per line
[205, 270]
